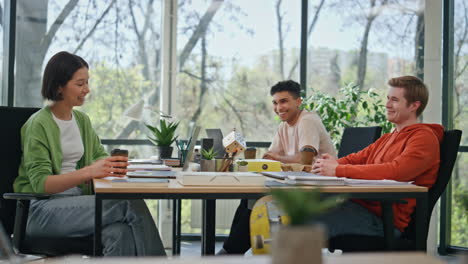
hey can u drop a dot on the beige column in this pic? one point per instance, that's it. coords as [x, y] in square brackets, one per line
[433, 78]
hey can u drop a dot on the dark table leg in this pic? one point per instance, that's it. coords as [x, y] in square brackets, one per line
[97, 226]
[422, 223]
[387, 217]
[176, 218]
[208, 227]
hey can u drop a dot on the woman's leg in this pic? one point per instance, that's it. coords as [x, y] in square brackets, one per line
[129, 220]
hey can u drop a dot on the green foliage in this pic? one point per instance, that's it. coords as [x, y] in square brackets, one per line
[165, 135]
[459, 234]
[242, 163]
[463, 196]
[208, 154]
[351, 109]
[303, 206]
[112, 91]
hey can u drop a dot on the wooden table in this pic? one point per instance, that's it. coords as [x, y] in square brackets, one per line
[352, 258]
[106, 189]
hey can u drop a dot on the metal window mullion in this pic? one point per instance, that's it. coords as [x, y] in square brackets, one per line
[303, 58]
[9, 42]
[447, 116]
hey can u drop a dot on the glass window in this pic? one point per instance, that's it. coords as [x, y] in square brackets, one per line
[459, 216]
[363, 42]
[119, 39]
[354, 47]
[226, 71]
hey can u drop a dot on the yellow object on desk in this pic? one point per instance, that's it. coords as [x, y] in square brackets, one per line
[259, 165]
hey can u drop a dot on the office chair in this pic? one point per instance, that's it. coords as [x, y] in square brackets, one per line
[14, 217]
[355, 139]
[448, 156]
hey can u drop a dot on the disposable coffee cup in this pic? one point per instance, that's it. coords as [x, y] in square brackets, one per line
[250, 153]
[308, 155]
[119, 152]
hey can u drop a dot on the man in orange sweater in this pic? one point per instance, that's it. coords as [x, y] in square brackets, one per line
[409, 154]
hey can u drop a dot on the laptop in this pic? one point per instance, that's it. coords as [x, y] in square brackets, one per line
[217, 135]
[191, 146]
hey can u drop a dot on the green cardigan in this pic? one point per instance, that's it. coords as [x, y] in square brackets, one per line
[42, 151]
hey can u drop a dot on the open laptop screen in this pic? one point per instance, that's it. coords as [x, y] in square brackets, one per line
[191, 146]
[217, 135]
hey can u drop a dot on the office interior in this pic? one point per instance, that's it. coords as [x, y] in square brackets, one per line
[212, 63]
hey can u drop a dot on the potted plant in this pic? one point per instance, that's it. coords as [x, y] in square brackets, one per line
[207, 163]
[163, 137]
[242, 165]
[302, 240]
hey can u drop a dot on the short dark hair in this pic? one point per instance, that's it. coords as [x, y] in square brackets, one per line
[290, 86]
[58, 71]
[415, 90]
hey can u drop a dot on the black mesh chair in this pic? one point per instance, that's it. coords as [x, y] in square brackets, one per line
[448, 156]
[357, 138]
[14, 207]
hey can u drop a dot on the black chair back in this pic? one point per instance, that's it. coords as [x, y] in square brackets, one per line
[357, 138]
[448, 157]
[13, 119]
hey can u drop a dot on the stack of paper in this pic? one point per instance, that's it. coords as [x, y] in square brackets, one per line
[147, 167]
[152, 174]
[374, 182]
[158, 182]
[145, 161]
[314, 180]
[306, 178]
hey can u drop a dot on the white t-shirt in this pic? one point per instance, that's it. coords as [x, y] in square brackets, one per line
[71, 143]
[308, 130]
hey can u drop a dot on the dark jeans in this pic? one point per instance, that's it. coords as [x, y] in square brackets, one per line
[238, 241]
[347, 218]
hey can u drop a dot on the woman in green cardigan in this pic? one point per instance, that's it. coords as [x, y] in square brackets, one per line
[62, 154]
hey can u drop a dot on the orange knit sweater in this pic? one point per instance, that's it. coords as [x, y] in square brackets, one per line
[409, 155]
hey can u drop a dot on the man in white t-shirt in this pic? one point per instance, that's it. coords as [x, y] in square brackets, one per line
[299, 128]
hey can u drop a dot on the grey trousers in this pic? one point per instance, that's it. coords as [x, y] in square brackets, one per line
[127, 226]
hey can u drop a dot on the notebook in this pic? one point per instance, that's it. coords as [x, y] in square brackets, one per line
[152, 174]
[159, 182]
[320, 180]
[147, 167]
[281, 175]
[144, 161]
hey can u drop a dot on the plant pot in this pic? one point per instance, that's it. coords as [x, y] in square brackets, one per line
[165, 152]
[207, 165]
[299, 244]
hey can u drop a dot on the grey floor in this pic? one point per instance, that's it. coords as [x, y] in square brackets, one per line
[193, 248]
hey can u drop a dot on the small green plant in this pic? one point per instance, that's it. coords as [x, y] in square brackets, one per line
[242, 163]
[351, 109]
[164, 135]
[209, 154]
[303, 206]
